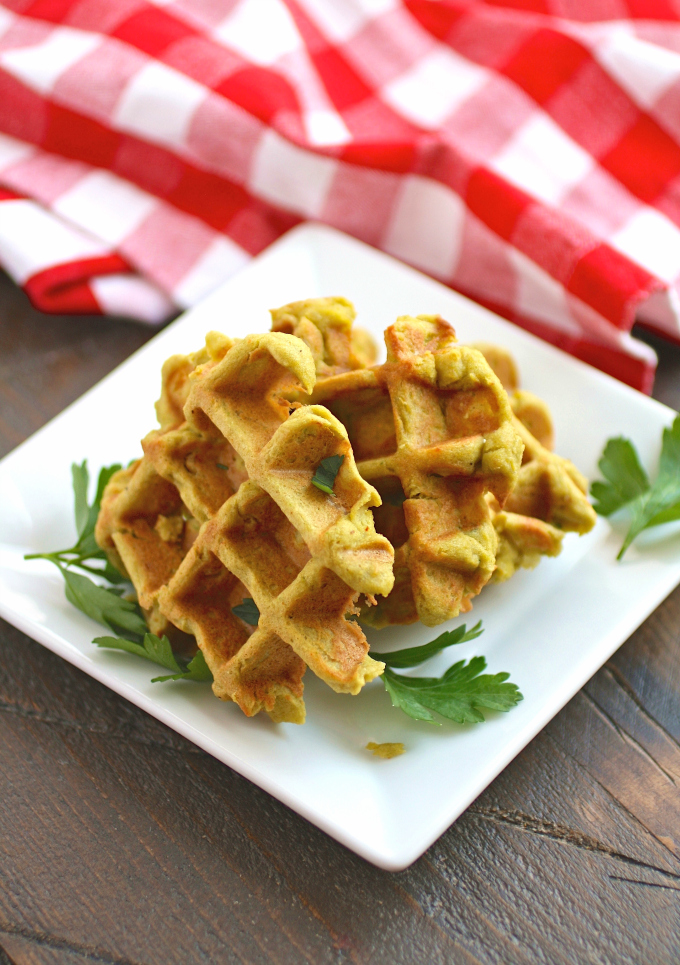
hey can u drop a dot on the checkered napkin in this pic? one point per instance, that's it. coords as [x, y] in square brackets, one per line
[525, 152]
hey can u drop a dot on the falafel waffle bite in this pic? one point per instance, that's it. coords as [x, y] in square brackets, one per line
[433, 431]
[221, 508]
[453, 470]
[549, 498]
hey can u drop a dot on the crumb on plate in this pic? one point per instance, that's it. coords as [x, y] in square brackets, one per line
[385, 751]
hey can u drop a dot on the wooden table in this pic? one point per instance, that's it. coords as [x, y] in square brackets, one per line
[120, 842]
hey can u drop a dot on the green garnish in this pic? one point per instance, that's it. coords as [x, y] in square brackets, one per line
[85, 551]
[196, 669]
[412, 656]
[628, 485]
[103, 604]
[156, 649]
[326, 471]
[106, 605]
[460, 694]
[247, 611]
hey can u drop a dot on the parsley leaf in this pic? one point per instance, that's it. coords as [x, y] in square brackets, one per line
[626, 477]
[247, 611]
[412, 656]
[197, 669]
[460, 694]
[326, 471]
[628, 487]
[85, 551]
[104, 606]
[156, 649]
[81, 479]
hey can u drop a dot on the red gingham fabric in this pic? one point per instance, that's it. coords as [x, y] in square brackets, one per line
[525, 152]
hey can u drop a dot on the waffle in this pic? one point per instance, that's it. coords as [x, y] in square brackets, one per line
[326, 326]
[432, 430]
[221, 507]
[151, 510]
[303, 610]
[549, 498]
[175, 378]
[281, 447]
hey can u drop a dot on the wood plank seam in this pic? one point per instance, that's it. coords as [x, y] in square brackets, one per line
[88, 952]
[628, 738]
[607, 791]
[619, 679]
[646, 884]
[561, 834]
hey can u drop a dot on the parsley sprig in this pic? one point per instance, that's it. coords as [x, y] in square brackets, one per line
[85, 552]
[461, 694]
[628, 487]
[326, 471]
[158, 650]
[107, 605]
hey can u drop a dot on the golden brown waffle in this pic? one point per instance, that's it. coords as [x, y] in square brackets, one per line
[549, 498]
[151, 511]
[522, 541]
[326, 326]
[282, 446]
[175, 377]
[303, 610]
[432, 430]
[152, 547]
[535, 416]
[303, 555]
[550, 488]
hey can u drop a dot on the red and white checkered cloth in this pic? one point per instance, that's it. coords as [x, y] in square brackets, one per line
[526, 152]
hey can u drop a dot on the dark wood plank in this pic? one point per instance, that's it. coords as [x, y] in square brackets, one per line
[37, 948]
[667, 383]
[141, 815]
[48, 361]
[120, 842]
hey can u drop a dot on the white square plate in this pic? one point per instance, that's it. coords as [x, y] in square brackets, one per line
[550, 628]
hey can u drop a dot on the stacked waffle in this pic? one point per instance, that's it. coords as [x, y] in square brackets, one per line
[222, 508]
[549, 497]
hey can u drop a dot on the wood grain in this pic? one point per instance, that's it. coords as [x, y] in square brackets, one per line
[120, 842]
